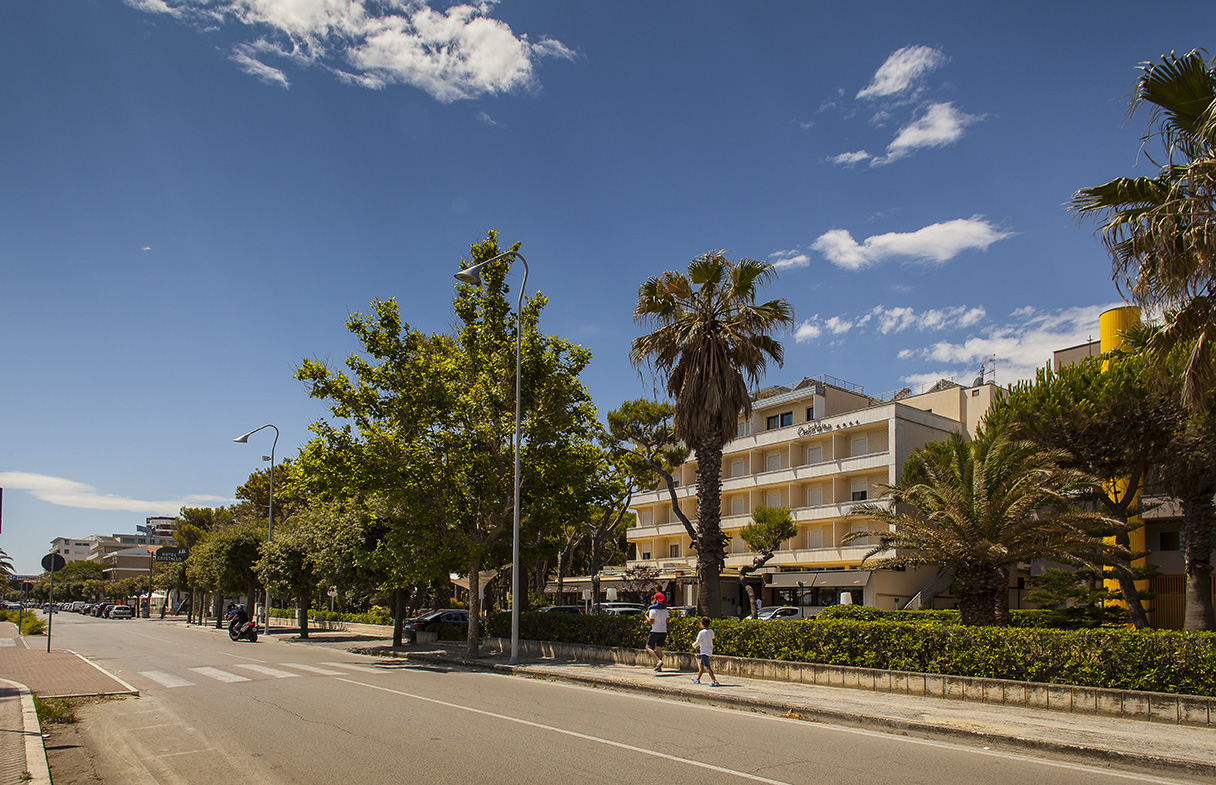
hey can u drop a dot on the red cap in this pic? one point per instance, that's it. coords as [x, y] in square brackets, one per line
[660, 597]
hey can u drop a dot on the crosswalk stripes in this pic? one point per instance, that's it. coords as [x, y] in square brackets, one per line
[219, 675]
[313, 669]
[166, 679]
[266, 670]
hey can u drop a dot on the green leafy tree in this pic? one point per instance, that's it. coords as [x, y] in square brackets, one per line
[1108, 419]
[427, 426]
[770, 527]
[982, 506]
[711, 339]
[6, 564]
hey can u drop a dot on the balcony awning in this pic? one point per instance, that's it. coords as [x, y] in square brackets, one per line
[834, 579]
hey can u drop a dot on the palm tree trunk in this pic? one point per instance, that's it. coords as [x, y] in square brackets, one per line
[1197, 524]
[977, 595]
[398, 615]
[710, 544]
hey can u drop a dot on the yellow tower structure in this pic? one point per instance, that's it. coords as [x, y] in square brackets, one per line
[1113, 325]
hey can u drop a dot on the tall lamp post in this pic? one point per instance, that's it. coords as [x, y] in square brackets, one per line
[472, 275]
[244, 439]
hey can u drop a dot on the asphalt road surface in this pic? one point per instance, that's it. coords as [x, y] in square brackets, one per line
[214, 711]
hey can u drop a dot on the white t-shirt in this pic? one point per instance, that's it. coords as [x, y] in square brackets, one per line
[658, 613]
[705, 641]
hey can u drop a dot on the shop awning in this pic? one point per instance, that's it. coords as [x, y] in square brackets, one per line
[834, 578]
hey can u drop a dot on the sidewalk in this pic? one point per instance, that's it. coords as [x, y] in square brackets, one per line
[26, 667]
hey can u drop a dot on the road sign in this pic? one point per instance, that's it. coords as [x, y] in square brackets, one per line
[53, 562]
[333, 591]
[173, 554]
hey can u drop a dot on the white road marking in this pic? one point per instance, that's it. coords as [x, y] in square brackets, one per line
[313, 669]
[166, 679]
[619, 745]
[219, 675]
[360, 668]
[268, 671]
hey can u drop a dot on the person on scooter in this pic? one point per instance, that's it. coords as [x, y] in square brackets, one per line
[239, 619]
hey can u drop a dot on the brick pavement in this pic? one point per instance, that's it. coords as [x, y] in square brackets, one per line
[25, 667]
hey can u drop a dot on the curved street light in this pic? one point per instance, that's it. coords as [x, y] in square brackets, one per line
[472, 275]
[244, 439]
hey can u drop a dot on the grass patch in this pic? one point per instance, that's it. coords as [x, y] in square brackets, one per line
[54, 711]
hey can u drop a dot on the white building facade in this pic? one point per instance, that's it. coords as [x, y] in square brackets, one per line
[819, 449]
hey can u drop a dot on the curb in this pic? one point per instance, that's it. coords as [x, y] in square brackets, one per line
[127, 688]
[848, 719]
[35, 753]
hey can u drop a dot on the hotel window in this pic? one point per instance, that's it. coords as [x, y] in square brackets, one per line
[674, 551]
[779, 420]
[814, 497]
[810, 413]
[858, 446]
[770, 422]
[859, 488]
[814, 454]
[772, 462]
[814, 538]
[645, 517]
[1170, 541]
[736, 469]
[737, 506]
[744, 428]
[645, 555]
[773, 499]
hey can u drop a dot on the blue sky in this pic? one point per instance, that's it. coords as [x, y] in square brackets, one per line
[195, 196]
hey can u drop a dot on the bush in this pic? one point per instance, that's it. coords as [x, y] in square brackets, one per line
[32, 625]
[854, 612]
[1153, 660]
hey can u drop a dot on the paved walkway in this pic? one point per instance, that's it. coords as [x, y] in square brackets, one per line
[26, 667]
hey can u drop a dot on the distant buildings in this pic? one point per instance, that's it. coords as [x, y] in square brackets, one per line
[106, 549]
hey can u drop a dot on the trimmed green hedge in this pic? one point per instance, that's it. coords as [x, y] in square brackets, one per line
[354, 618]
[1152, 660]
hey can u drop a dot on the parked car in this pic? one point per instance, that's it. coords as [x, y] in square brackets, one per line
[103, 609]
[782, 612]
[445, 616]
[560, 609]
[620, 609]
[121, 612]
[682, 610]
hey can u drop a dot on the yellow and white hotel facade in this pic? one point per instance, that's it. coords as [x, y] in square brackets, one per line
[818, 448]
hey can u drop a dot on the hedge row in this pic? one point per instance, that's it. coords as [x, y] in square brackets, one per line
[30, 623]
[1152, 660]
[354, 618]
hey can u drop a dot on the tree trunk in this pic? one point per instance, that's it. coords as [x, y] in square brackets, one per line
[473, 647]
[217, 609]
[1197, 524]
[710, 543]
[1000, 608]
[1127, 583]
[977, 595]
[302, 607]
[398, 615]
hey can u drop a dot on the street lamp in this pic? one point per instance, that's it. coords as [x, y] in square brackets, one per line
[472, 275]
[244, 439]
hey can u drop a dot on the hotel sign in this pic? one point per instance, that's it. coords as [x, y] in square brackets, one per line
[813, 428]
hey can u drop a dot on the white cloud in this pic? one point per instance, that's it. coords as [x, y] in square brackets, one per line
[1020, 346]
[902, 70]
[490, 121]
[849, 159]
[936, 243]
[808, 330]
[940, 125]
[453, 54]
[887, 321]
[789, 260]
[69, 493]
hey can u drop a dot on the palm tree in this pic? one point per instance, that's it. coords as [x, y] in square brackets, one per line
[1161, 232]
[981, 507]
[712, 339]
[6, 564]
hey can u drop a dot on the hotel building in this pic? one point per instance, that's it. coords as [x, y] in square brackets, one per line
[818, 448]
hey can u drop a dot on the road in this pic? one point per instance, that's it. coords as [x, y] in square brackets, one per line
[279, 712]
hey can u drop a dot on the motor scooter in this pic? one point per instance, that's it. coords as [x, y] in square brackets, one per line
[243, 632]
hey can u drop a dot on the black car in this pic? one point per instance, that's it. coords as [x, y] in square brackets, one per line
[560, 609]
[446, 616]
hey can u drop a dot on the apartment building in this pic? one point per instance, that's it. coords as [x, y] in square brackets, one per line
[819, 448]
[71, 548]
